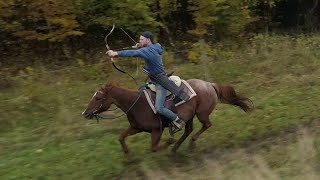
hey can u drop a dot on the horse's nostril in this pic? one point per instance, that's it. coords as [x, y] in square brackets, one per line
[85, 114]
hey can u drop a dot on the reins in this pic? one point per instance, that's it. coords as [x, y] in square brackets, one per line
[98, 116]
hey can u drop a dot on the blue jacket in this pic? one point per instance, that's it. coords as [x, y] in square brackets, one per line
[152, 56]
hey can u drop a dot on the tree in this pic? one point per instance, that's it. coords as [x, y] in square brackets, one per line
[132, 15]
[38, 19]
[202, 17]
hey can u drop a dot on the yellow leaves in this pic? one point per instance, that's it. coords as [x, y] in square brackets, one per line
[221, 17]
[66, 22]
[167, 6]
[39, 20]
[14, 26]
[29, 70]
[271, 3]
[193, 56]
[74, 33]
[80, 62]
[200, 50]
[199, 31]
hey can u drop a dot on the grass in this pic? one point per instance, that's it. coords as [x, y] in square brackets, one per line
[241, 163]
[43, 135]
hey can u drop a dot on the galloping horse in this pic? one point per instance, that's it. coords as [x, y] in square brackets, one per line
[143, 119]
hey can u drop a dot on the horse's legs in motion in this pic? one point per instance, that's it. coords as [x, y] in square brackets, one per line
[187, 131]
[128, 132]
[204, 119]
[155, 138]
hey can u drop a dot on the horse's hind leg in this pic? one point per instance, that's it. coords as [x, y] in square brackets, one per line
[128, 132]
[204, 119]
[187, 131]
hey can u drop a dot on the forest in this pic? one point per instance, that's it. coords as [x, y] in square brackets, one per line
[53, 61]
[61, 30]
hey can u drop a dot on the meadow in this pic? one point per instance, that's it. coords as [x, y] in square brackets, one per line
[44, 136]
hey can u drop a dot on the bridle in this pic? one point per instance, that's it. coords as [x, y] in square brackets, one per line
[113, 62]
[98, 116]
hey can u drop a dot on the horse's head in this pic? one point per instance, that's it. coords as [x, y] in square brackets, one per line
[100, 102]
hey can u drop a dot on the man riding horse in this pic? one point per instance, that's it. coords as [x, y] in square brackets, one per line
[152, 54]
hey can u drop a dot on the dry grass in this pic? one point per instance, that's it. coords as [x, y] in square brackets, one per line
[241, 164]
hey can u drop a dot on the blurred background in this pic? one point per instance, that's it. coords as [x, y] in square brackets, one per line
[52, 61]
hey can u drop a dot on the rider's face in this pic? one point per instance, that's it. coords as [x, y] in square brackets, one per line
[143, 41]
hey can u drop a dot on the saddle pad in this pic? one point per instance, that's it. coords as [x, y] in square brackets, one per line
[187, 88]
[175, 79]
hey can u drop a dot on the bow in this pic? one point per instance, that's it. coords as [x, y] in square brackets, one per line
[113, 63]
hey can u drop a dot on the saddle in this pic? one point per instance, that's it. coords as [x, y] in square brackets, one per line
[171, 102]
[175, 79]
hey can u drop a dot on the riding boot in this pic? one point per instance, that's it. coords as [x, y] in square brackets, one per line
[179, 123]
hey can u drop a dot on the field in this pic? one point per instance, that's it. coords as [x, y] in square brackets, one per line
[44, 136]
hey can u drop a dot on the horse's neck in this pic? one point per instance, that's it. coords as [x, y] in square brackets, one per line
[122, 98]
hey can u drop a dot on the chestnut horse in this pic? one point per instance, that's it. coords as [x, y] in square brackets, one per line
[142, 119]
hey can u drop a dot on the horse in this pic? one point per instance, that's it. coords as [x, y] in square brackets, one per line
[142, 119]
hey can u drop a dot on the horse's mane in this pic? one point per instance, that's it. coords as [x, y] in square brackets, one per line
[109, 86]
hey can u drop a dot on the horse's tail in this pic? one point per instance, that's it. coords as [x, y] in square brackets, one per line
[228, 95]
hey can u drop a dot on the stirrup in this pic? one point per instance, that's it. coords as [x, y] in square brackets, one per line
[173, 129]
[179, 123]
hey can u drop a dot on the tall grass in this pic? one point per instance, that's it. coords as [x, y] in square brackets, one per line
[300, 163]
[43, 135]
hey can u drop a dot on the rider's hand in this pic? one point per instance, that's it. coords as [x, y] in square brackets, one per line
[111, 53]
[136, 46]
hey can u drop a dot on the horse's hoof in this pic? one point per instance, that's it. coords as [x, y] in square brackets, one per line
[152, 150]
[127, 155]
[173, 151]
[130, 160]
[192, 145]
[171, 141]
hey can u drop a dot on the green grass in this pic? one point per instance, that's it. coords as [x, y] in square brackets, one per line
[44, 136]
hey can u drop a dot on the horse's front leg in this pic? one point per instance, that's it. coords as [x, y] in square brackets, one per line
[155, 139]
[128, 132]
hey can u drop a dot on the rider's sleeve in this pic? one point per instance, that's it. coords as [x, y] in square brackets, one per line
[131, 53]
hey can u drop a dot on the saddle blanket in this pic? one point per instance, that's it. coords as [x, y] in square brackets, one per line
[185, 86]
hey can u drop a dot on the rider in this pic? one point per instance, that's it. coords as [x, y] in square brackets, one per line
[152, 54]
